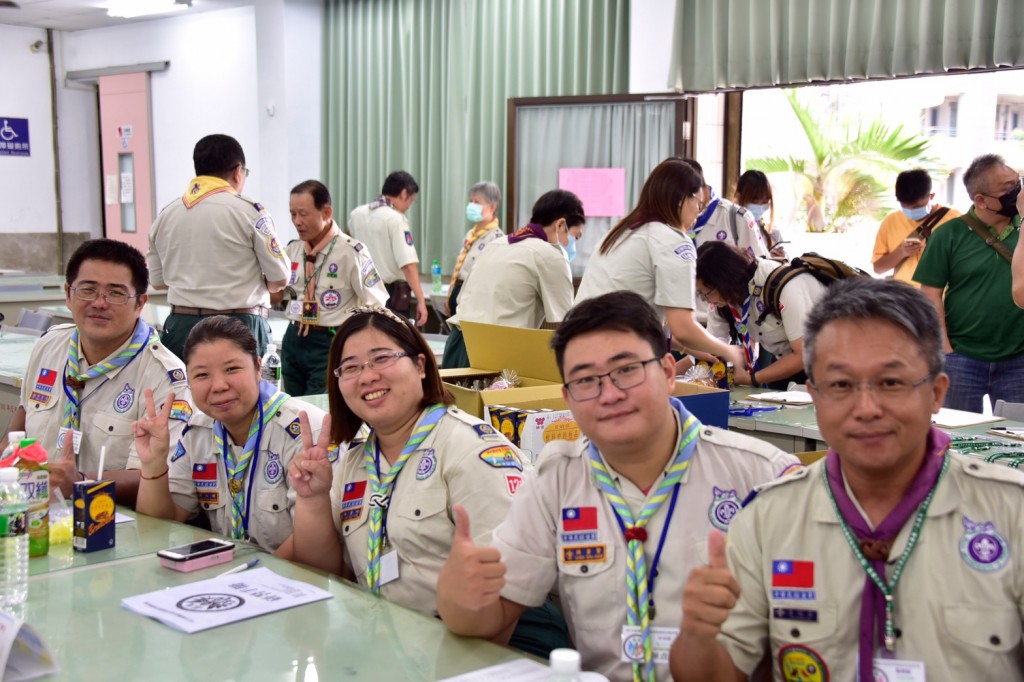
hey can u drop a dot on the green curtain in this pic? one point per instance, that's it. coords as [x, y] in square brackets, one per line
[422, 85]
[746, 43]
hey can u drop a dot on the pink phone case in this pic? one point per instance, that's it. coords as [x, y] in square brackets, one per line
[199, 562]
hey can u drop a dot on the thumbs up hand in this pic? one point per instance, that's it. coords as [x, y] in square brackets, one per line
[710, 592]
[472, 578]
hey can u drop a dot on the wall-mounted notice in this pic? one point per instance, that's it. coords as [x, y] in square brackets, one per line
[602, 190]
[14, 137]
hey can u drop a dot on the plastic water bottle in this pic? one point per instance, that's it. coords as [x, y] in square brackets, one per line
[565, 665]
[14, 439]
[13, 539]
[435, 276]
[272, 365]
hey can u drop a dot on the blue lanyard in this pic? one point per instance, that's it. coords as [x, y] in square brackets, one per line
[252, 467]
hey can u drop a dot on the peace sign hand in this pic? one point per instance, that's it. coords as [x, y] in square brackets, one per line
[152, 435]
[310, 471]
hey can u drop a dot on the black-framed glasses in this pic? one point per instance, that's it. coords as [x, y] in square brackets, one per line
[382, 360]
[624, 378]
[90, 294]
[884, 388]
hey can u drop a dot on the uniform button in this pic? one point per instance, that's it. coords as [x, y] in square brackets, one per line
[707, 432]
[416, 513]
[346, 528]
[994, 640]
[795, 632]
[278, 413]
[206, 505]
[276, 507]
[155, 346]
[110, 428]
[972, 466]
[584, 568]
[897, 632]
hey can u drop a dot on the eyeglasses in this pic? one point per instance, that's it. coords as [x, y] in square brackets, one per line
[699, 197]
[350, 370]
[703, 295]
[624, 378]
[245, 170]
[111, 297]
[885, 388]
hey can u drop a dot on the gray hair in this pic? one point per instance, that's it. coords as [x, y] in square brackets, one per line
[888, 300]
[975, 175]
[488, 191]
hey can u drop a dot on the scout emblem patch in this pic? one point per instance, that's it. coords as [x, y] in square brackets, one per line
[332, 270]
[330, 299]
[724, 506]
[123, 401]
[264, 225]
[273, 471]
[487, 432]
[720, 235]
[793, 580]
[181, 410]
[579, 524]
[408, 238]
[310, 312]
[982, 546]
[686, 251]
[802, 664]
[176, 375]
[333, 451]
[275, 248]
[295, 428]
[352, 500]
[44, 386]
[178, 453]
[427, 465]
[502, 457]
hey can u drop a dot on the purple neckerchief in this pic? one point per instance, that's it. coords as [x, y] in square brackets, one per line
[872, 603]
[531, 231]
[380, 201]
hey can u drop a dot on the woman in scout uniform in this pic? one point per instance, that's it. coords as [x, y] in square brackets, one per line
[386, 517]
[731, 281]
[231, 461]
[754, 193]
[482, 211]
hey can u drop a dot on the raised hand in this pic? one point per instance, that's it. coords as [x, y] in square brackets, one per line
[309, 472]
[710, 592]
[64, 471]
[152, 435]
[472, 576]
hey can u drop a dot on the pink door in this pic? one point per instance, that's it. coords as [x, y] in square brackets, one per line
[126, 152]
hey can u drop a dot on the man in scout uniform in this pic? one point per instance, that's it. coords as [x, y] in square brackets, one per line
[384, 228]
[615, 520]
[331, 274]
[888, 559]
[84, 382]
[215, 251]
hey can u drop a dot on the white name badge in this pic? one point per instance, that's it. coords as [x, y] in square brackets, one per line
[389, 567]
[77, 439]
[633, 643]
[295, 308]
[893, 670]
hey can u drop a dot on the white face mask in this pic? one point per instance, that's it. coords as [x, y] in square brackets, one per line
[919, 213]
[757, 210]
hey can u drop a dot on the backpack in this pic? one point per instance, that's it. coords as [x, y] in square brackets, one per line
[825, 270]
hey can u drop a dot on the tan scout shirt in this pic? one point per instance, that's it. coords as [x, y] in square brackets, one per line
[199, 477]
[477, 248]
[776, 335]
[539, 550]
[655, 260]
[109, 404]
[463, 461]
[517, 285]
[960, 615]
[385, 232]
[346, 278]
[733, 224]
[216, 254]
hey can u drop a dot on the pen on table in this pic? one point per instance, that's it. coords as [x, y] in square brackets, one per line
[238, 569]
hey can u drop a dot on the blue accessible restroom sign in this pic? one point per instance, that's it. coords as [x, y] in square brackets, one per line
[14, 136]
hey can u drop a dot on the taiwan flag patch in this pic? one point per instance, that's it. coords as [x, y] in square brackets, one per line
[575, 519]
[786, 573]
[204, 472]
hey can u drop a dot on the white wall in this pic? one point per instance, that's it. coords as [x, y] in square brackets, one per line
[27, 194]
[651, 23]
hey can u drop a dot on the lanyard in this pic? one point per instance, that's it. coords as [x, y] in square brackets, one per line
[316, 272]
[888, 589]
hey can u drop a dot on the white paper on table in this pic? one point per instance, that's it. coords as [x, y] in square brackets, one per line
[954, 419]
[23, 653]
[788, 397]
[122, 518]
[225, 599]
[521, 670]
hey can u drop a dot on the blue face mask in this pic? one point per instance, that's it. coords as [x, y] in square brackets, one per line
[919, 213]
[474, 212]
[570, 248]
[757, 210]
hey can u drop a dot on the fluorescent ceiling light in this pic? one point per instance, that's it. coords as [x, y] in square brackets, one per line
[129, 9]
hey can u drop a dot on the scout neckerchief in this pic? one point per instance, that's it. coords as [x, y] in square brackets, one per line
[531, 231]
[75, 379]
[742, 318]
[380, 201]
[330, 238]
[202, 187]
[871, 547]
[381, 487]
[638, 585]
[705, 216]
[479, 230]
[269, 402]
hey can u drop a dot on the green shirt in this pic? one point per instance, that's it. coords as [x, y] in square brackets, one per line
[982, 321]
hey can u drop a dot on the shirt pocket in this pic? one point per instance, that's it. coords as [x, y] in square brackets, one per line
[418, 524]
[274, 524]
[595, 594]
[793, 624]
[983, 639]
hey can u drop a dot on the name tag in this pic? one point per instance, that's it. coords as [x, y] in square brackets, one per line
[893, 670]
[295, 308]
[77, 439]
[389, 567]
[633, 643]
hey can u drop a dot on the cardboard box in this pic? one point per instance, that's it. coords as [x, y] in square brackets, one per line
[491, 349]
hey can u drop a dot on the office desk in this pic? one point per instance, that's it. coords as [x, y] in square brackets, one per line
[354, 635]
[15, 350]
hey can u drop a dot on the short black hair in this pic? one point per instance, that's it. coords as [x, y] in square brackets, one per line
[692, 163]
[913, 186]
[558, 203]
[396, 182]
[624, 311]
[316, 189]
[222, 327]
[217, 155]
[110, 251]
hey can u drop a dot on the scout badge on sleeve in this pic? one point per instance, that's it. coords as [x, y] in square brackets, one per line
[982, 547]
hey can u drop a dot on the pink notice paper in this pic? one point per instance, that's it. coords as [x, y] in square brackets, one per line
[602, 190]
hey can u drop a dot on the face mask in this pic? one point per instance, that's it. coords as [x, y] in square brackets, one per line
[474, 212]
[570, 248]
[757, 210]
[919, 213]
[1008, 202]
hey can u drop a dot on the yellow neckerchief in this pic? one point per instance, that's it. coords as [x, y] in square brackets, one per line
[202, 187]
